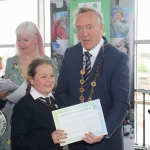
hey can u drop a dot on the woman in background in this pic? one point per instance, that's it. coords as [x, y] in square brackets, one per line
[29, 45]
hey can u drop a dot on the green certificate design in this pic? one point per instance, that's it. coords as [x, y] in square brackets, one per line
[80, 119]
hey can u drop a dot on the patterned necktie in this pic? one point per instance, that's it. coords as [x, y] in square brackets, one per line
[47, 99]
[51, 99]
[87, 67]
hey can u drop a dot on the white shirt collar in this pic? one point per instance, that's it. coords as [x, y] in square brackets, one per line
[96, 49]
[35, 94]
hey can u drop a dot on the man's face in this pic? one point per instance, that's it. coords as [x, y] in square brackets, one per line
[67, 21]
[88, 29]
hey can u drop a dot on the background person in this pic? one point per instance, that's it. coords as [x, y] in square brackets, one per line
[123, 48]
[1, 67]
[61, 33]
[108, 80]
[35, 129]
[67, 27]
[119, 28]
[54, 28]
[128, 131]
[29, 45]
[2, 103]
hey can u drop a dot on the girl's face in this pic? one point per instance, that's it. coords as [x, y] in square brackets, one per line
[62, 24]
[44, 79]
[26, 43]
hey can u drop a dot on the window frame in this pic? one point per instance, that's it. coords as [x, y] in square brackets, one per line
[138, 101]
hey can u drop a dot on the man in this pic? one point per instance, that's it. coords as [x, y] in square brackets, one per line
[108, 80]
[127, 128]
[67, 27]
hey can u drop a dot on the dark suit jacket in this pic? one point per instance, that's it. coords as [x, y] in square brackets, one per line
[112, 89]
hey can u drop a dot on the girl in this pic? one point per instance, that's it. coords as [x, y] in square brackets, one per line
[32, 122]
[29, 45]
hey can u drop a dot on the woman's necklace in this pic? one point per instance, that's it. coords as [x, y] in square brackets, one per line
[23, 61]
[93, 83]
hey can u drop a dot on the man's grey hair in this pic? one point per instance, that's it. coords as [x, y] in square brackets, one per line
[87, 9]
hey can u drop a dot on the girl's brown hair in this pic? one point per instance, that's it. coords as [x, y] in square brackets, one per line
[31, 69]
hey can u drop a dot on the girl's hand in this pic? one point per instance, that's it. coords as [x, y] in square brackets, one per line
[3, 94]
[58, 136]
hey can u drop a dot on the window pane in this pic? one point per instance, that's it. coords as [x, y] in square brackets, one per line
[139, 133]
[48, 51]
[47, 21]
[143, 23]
[143, 66]
[17, 11]
[4, 54]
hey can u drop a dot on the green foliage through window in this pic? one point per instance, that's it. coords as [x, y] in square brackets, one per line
[142, 67]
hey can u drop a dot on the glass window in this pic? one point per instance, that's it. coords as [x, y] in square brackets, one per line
[143, 23]
[47, 22]
[143, 66]
[139, 133]
[47, 51]
[17, 11]
[4, 54]
[142, 69]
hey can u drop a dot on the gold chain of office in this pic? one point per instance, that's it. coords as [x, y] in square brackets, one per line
[93, 83]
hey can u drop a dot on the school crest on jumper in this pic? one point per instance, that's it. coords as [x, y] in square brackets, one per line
[3, 124]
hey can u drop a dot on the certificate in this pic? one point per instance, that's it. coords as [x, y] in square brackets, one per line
[7, 84]
[18, 94]
[79, 119]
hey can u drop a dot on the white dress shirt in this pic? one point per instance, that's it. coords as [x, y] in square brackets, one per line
[94, 52]
[35, 94]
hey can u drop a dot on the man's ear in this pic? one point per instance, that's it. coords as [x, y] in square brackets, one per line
[30, 80]
[101, 29]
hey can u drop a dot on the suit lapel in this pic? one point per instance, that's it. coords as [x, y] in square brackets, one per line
[79, 63]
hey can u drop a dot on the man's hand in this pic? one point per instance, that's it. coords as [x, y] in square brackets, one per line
[90, 138]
